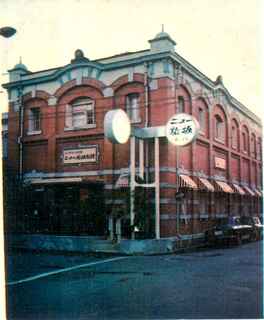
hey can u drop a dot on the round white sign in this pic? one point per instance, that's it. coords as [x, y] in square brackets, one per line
[182, 129]
[117, 126]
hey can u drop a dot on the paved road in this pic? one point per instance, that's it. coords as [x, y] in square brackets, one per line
[219, 283]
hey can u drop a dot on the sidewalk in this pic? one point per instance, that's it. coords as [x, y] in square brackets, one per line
[86, 244]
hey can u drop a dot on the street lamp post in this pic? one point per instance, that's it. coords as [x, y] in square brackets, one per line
[5, 32]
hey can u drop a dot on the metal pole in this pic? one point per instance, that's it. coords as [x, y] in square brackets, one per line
[178, 204]
[21, 124]
[157, 190]
[132, 186]
[141, 158]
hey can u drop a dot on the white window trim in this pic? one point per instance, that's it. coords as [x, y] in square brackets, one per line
[129, 111]
[68, 125]
[31, 131]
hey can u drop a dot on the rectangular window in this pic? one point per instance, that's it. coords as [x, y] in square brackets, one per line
[132, 107]
[253, 146]
[181, 107]
[202, 119]
[244, 139]
[4, 145]
[34, 120]
[219, 128]
[234, 137]
[80, 115]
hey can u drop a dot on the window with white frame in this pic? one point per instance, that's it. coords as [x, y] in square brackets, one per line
[34, 125]
[132, 107]
[80, 114]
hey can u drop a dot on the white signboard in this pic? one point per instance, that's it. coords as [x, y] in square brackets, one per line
[80, 155]
[117, 126]
[220, 163]
[182, 129]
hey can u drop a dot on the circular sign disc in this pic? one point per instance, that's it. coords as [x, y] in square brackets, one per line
[182, 129]
[117, 126]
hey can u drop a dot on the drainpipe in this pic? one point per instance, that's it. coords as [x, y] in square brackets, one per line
[146, 87]
[21, 129]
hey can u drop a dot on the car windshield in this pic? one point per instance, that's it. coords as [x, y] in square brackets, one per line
[234, 220]
[246, 220]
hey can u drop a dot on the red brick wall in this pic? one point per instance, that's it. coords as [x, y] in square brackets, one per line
[35, 157]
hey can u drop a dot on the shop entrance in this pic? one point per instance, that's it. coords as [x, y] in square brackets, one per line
[67, 210]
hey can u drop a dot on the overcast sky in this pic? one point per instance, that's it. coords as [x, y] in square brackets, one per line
[217, 37]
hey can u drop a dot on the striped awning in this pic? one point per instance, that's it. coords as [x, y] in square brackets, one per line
[187, 182]
[223, 186]
[239, 189]
[205, 184]
[258, 192]
[249, 191]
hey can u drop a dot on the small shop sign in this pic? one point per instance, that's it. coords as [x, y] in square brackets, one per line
[81, 155]
[220, 163]
[182, 129]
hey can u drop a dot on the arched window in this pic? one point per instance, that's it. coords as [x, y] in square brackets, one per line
[80, 114]
[219, 128]
[181, 106]
[132, 107]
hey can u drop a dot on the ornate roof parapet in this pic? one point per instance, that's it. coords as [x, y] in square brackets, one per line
[79, 57]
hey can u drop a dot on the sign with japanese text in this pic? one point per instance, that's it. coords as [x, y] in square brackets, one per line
[220, 163]
[80, 155]
[182, 129]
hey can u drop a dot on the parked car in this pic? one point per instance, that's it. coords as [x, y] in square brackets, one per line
[255, 223]
[229, 230]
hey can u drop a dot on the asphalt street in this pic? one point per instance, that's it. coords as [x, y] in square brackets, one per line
[217, 283]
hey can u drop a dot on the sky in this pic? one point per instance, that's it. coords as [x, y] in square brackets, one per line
[217, 37]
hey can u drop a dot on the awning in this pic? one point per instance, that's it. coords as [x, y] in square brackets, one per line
[249, 191]
[223, 186]
[187, 182]
[239, 189]
[122, 181]
[258, 192]
[206, 184]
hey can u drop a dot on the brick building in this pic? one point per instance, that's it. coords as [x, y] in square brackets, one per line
[56, 142]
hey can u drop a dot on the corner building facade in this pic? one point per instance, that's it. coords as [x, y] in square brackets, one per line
[57, 147]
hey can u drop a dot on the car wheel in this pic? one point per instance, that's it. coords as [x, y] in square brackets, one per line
[254, 236]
